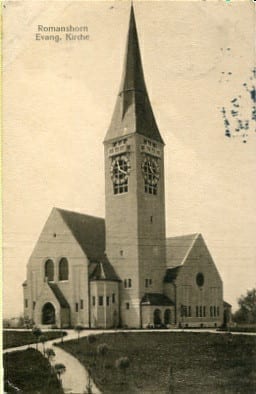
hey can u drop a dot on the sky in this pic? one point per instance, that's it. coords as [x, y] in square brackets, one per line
[58, 100]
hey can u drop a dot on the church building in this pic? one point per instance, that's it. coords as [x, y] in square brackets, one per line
[122, 271]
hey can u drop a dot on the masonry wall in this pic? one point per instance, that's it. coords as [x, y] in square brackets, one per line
[135, 231]
[148, 315]
[107, 314]
[205, 301]
[56, 241]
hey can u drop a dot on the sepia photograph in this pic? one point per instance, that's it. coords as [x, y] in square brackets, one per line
[129, 140]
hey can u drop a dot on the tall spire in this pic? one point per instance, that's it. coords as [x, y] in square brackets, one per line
[133, 112]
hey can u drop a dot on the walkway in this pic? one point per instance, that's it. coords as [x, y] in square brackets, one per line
[75, 379]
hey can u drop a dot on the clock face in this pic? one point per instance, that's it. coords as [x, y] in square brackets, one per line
[151, 170]
[120, 170]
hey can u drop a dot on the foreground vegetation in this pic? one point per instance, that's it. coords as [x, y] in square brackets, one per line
[29, 372]
[165, 362]
[19, 338]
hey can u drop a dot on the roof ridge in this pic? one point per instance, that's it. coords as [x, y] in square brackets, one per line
[184, 235]
[77, 213]
[190, 248]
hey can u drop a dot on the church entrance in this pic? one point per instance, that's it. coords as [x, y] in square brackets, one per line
[157, 317]
[48, 314]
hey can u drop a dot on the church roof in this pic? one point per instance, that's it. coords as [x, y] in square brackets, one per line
[102, 270]
[156, 299]
[177, 249]
[59, 295]
[89, 231]
[133, 112]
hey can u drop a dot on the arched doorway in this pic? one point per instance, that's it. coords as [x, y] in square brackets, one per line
[48, 314]
[157, 317]
[167, 316]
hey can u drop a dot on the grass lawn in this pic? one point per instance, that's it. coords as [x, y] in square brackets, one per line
[29, 371]
[19, 338]
[200, 362]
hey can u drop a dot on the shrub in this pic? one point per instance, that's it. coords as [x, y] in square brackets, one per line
[123, 364]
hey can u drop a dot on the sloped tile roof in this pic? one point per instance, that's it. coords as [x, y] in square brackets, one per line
[59, 295]
[156, 299]
[177, 249]
[102, 270]
[133, 112]
[89, 231]
[171, 274]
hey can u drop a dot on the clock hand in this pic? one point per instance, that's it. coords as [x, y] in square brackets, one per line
[119, 169]
[151, 169]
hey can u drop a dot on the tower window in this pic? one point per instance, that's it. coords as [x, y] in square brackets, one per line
[107, 300]
[26, 303]
[121, 252]
[148, 282]
[76, 306]
[113, 298]
[93, 300]
[127, 305]
[120, 170]
[81, 304]
[119, 189]
[151, 174]
[127, 283]
[151, 219]
[100, 300]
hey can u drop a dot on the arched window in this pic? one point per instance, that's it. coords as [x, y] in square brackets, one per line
[49, 270]
[157, 317]
[167, 316]
[63, 269]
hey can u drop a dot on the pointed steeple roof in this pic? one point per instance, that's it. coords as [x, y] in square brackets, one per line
[133, 112]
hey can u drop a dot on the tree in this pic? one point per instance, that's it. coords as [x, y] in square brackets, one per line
[37, 333]
[102, 351]
[88, 389]
[49, 353]
[171, 381]
[247, 311]
[60, 369]
[123, 364]
[43, 339]
[28, 323]
[78, 329]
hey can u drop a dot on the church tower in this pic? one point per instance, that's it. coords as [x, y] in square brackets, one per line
[134, 186]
